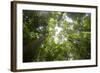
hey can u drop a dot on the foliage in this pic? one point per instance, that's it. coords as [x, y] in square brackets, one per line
[52, 36]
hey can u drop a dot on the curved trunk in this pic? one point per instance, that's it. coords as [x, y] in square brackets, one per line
[31, 50]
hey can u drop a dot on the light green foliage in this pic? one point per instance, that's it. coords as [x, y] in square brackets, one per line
[55, 36]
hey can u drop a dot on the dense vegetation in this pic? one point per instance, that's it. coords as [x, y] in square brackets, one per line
[56, 36]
